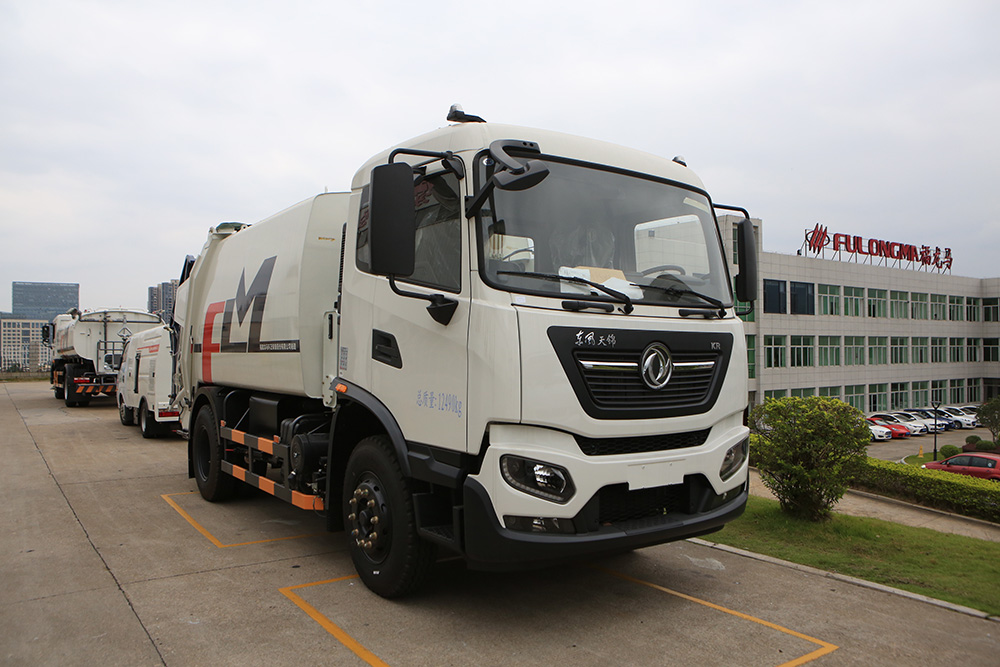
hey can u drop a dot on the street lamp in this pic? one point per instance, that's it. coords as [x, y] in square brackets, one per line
[935, 406]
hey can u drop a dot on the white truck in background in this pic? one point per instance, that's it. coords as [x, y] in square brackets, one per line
[87, 349]
[516, 345]
[145, 391]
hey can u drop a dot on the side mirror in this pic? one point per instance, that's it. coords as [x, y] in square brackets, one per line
[746, 255]
[392, 221]
[47, 335]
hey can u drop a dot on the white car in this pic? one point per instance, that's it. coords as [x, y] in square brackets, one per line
[964, 418]
[879, 432]
[915, 427]
[928, 422]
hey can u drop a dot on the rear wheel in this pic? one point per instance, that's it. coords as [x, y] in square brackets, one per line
[380, 522]
[125, 413]
[207, 453]
[71, 398]
[147, 422]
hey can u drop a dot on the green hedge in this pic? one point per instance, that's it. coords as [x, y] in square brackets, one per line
[935, 488]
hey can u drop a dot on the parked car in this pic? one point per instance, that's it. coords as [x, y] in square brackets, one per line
[895, 430]
[941, 416]
[952, 419]
[910, 416]
[915, 427]
[981, 465]
[967, 420]
[970, 409]
[880, 432]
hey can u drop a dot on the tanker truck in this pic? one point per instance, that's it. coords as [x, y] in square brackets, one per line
[87, 350]
[510, 344]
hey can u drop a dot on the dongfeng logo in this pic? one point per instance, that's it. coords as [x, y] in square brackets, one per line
[657, 366]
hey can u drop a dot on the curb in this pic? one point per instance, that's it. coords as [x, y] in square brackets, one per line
[968, 611]
[922, 508]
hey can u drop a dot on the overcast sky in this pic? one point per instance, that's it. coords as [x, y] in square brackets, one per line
[128, 128]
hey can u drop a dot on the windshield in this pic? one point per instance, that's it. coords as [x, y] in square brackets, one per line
[652, 241]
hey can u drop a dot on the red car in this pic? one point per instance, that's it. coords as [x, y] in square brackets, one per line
[980, 464]
[898, 430]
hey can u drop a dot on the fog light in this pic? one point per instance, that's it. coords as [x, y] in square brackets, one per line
[537, 478]
[733, 459]
[539, 524]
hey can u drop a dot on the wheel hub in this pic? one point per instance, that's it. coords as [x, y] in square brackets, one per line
[368, 518]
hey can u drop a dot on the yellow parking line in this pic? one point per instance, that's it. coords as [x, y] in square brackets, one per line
[825, 647]
[211, 538]
[328, 625]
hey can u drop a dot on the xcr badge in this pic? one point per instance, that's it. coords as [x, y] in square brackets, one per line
[656, 366]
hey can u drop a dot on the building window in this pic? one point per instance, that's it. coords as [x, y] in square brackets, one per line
[899, 305]
[991, 349]
[774, 351]
[878, 350]
[878, 397]
[854, 350]
[829, 299]
[803, 298]
[803, 392]
[829, 351]
[974, 390]
[775, 393]
[956, 348]
[958, 392]
[751, 356]
[774, 296]
[972, 349]
[802, 351]
[899, 397]
[854, 395]
[919, 345]
[972, 309]
[900, 350]
[918, 306]
[991, 310]
[853, 301]
[939, 353]
[955, 313]
[921, 393]
[938, 390]
[877, 303]
[830, 392]
[939, 306]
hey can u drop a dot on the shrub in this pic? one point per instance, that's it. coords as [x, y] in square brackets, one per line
[972, 439]
[936, 488]
[989, 416]
[807, 451]
[985, 446]
[949, 450]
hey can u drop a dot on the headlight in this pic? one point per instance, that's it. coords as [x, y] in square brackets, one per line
[537, 478]
[733, 459]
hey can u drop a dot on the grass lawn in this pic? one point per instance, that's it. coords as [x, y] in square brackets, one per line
[958, 569]
[926, 458]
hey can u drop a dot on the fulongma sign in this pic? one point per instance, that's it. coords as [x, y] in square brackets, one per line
[819, 241]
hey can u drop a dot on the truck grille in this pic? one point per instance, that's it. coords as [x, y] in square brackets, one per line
[618, 504]
[614, 381]
[641, 444]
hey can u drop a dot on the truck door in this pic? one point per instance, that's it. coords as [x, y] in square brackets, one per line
[419, 367]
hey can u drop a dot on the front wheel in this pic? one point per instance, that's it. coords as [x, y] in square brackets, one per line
[125, 413]
[207, 453]
[380, 522]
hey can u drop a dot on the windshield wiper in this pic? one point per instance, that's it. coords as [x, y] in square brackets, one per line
[627, 308]
[681, 291]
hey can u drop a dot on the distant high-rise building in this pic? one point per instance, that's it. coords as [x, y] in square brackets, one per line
[160, 299]
[43, 301]
[21, 347]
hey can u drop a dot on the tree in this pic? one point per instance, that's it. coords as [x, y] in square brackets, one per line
[807, 451]
[989, 416]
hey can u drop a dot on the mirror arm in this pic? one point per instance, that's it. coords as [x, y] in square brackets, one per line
[451, 162]
[441, 308]
[473, 204]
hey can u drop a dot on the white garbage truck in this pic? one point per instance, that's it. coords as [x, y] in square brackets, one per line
[145, 389]
[87, 350]
[511, 344]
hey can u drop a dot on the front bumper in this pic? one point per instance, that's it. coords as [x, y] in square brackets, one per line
[492, 546]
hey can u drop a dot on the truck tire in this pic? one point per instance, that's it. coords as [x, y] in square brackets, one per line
[380, 523]
[125, 413]
[71, 399]
[207, 453]
[148, 425]
[59, 392]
